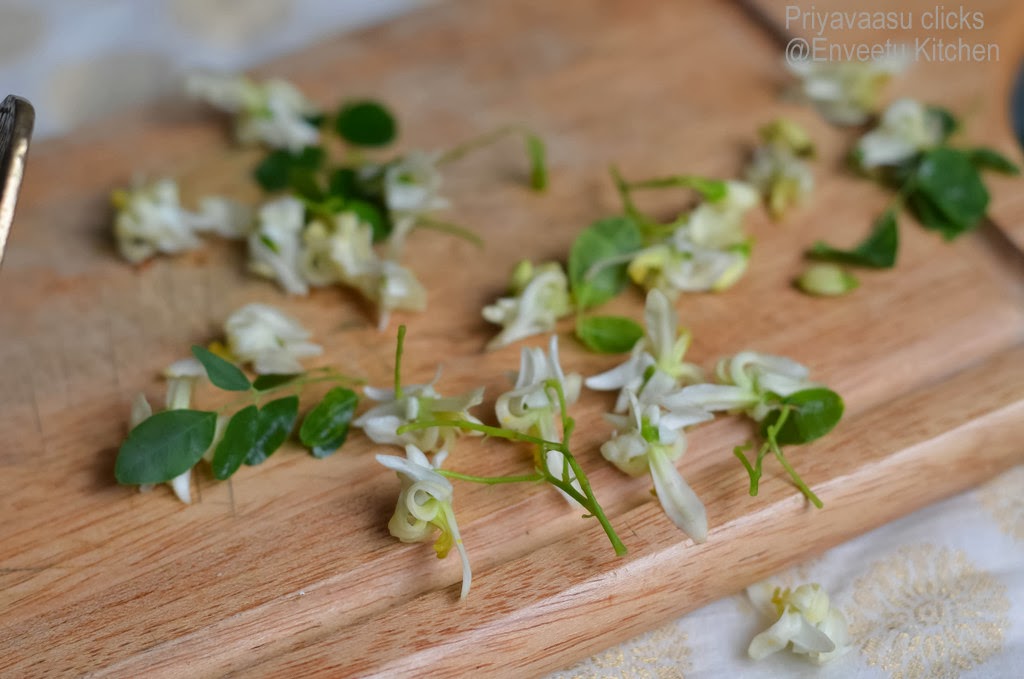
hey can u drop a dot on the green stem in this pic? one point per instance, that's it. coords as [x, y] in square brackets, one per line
[458, 152]
[491, 480]
[466, 425]
[399, 349]
[738, 451]
[808, 493]
[424, 222]
[294, 387]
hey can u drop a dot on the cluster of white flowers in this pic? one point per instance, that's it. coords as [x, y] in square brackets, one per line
[778, 167]
[805, 621]
[905, 128]
[708, 251]
[650, 438]
[847, 92]
[150, 219]
[661, 394]
[538, 297]
[326, 251]
[273, 112]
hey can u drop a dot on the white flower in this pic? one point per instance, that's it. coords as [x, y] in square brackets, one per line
[708, 252]
[805, 619]
[746, 379]
[340, 250]
[782, 178]
[540, 296]
[532, 408]
[411, 190]
[686, 267]
[225, 217]
[650, 439]
[269, 339]
[906, 128]
[273, 112]
[719, 224]
[150, 219]
[275, 246]
[418, 402]
[425, 505]
[397, 289]
[846, 92]
[662, 347]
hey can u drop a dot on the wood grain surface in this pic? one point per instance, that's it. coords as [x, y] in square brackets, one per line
[288, 570]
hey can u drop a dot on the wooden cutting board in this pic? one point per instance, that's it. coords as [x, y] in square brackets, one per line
[289, 569]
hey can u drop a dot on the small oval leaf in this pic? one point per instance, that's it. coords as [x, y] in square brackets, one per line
[275, 423]
[609, 334]
[164, 446]
[326, 426]
[238, 439]
[815, 412]
[366, 123]
[223, 374]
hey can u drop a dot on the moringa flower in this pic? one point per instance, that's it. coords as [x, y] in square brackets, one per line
[540, 296]
[707, 252]
[273, 112]
[425, 505]
[532, 407]
[269, 339]
[418, 402]
[779, 169]
[662, 349]
[275, 246]
[906, 128]
[412, 187]
[685, 267]
[746, 380]
[845, 92]
[804, 618]
[719, 224]
[649, 439]
[151, 220]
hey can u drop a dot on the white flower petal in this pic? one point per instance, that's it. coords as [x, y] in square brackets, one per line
[678, 500]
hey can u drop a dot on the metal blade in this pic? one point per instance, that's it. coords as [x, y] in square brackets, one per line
[16, 119]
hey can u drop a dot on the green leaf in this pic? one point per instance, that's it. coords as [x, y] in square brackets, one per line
[989, 159]
[223, 374]
[265, 382]
[591, 280]
[946, 193]
[376, 217]
[537, 154]
[273, 426]
[234, 446]
[609, 334]
[366, 123]
[878, 250]
[164, 446]
[274, 173]
[326, 426]
[815, 412]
